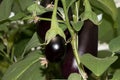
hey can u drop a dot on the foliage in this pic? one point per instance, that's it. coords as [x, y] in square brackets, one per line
[22, 50]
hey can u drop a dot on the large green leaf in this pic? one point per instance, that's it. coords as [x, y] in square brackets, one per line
[97, 65]
[5, 9]
[114, 44]
[74, 76]
[116, 75]
[34, 42]
[26, 69]
[108, 6]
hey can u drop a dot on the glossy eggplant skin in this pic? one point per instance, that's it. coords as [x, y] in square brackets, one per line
[55, 49]
[87, 43]
[69, 64]
[88, 38]
[43, 26]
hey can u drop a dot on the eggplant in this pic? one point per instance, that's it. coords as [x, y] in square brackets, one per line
[88, 38]
[87, 43]
[43, 26]
[69, 64]
[55, 50]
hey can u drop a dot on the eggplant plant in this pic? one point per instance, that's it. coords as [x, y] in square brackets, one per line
[59, 39]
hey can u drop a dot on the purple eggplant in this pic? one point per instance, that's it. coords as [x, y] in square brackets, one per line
[55, 50]
[43, 26]
[69, 64]
[88, 38]
[87, 43]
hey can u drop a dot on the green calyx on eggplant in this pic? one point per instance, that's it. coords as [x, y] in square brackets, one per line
[55, 49]
[87, 43]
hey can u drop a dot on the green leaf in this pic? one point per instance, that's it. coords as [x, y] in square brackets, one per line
[78, 25]
[62, 26]
[105, 32]
[5, 9]
[97, 65]
[114, 44]
[17, 71]
[74, 76]
[36, 73]
[36, 8]
[18, 50]
[25, 3]
[17, 16]
[34, 42]
[2, 46]
[3, 27]
[69, 3]
[108, 6]
[116, 75]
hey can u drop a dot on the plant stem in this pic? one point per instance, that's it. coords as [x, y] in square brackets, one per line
[48, 19]
[74, 42]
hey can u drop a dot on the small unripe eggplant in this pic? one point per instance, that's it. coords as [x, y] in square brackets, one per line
[55, 49]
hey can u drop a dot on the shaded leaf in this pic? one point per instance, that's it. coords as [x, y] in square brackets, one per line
[36, 8]
[36, 73]
[97, 65]
[17, 16]
[69, 3]
[105, 32]
[5, 9]
[114, 44]
[25, 3]
[108, 6]
[17, 70]
[34, 42]
[116, 75]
